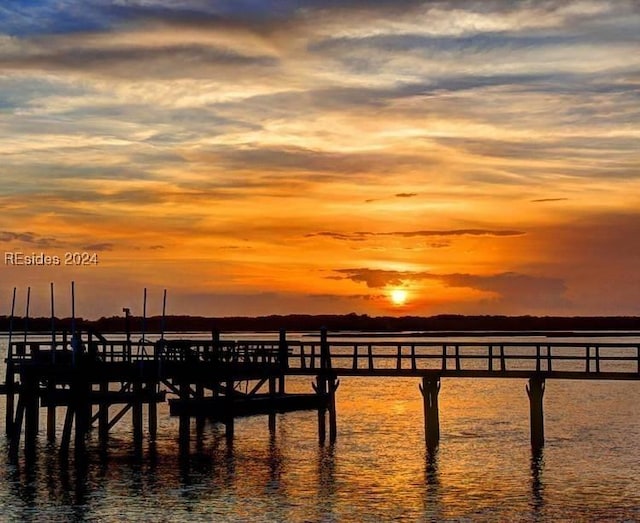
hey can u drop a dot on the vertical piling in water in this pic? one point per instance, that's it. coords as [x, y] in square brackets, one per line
[28, 395]
[51, 387]
[200, 418]
[16, 427]
[185, 420]
[333, 385]
[82, 392]
[323, 386]
[153, 410]
[535, 391]
[272, 412]
[30, 392]
[320, 387]
[229, 419]
[103, 413]
[429, 389]
[136, 412]
[51, 412]
[66, 431]
[10, 396]
[9, 378]
[283, 359]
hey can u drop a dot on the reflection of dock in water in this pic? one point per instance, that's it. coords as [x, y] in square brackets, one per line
[97, 381]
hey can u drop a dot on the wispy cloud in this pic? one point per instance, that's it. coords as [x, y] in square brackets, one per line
[364, 235]
[29, 238]
[99, 247]
[545, 200]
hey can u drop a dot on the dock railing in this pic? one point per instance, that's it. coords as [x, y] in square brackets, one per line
[489, 357]
[357, 356]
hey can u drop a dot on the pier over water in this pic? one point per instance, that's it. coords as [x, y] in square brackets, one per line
[94, 381]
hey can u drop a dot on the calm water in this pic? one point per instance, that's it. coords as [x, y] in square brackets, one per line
[377, 470]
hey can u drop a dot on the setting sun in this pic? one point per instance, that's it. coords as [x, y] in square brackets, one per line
[398, 296]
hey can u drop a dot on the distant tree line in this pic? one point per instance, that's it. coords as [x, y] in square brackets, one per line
[348, 322]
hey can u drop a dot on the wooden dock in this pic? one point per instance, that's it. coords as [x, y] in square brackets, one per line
[85, 374]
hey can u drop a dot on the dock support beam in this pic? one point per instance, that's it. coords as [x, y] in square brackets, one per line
[429, 389]
[535, 391]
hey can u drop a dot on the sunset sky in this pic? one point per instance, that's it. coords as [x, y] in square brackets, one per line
[315, 156]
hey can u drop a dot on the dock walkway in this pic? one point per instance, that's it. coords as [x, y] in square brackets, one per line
[89, 376]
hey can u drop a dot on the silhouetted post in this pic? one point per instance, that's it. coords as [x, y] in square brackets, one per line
[136, 413]
[200, 418]
[323, 386]
[10, 396]
[153, 410]
[215, 346]
[16, 427]
[430, 389]
[283, 359]
[535, 391]
[103, 413]
[9, 380]
[185, 421]
[51, 412]
[127, 328]
[51, 409]
[320, 387]
[10, 386]
[272, 412]
[82, 392]
[333, 385]
[30, 391]
[229, 420]
[66, 431]
[325, 354]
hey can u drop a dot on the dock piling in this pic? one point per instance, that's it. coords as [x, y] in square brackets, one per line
[320, 388]
[103, 415]
[153, 411]
[229, 421]
[535, 391]
[283, 357]
[272, 414]
[429, 389]
[333, 385]
[136, 413]
[30, 391]
[185, 420]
